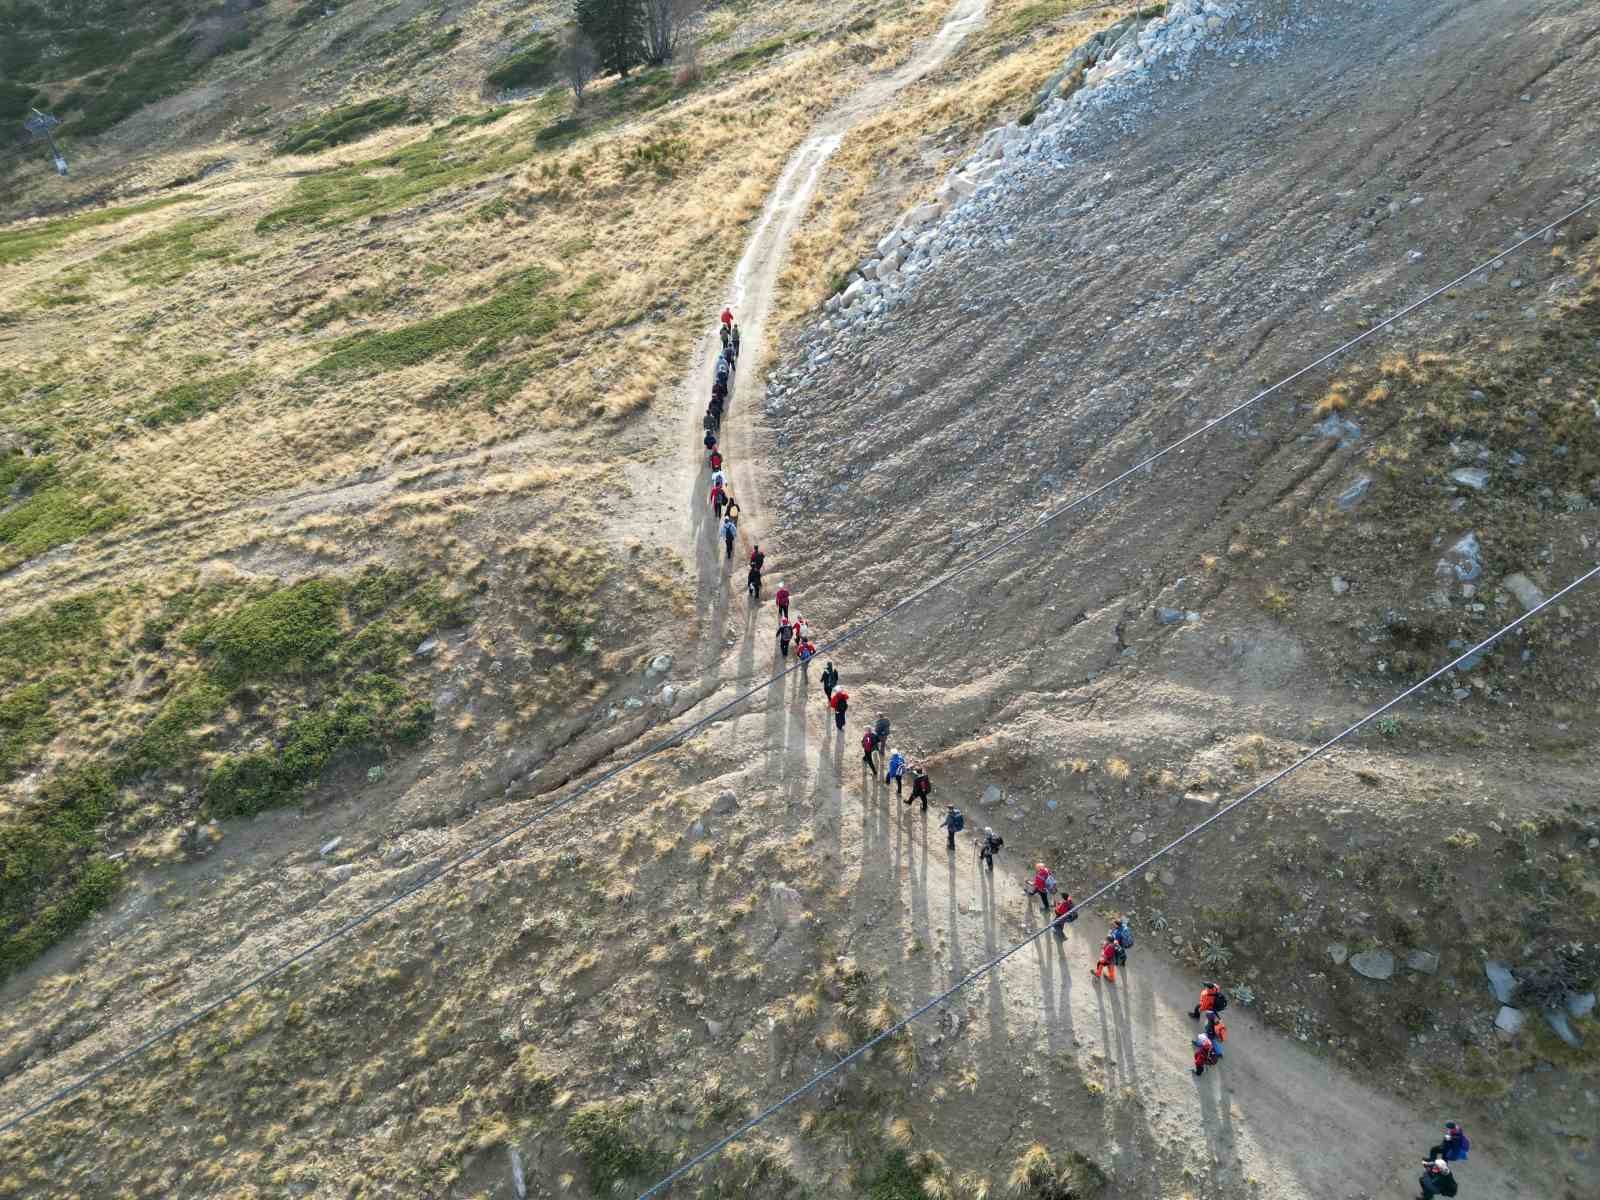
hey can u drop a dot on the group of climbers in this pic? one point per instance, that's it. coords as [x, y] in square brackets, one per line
[722, 501]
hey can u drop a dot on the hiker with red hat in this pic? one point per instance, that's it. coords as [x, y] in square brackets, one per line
[781, 596]
[1107, 962]
[1205, 1054]
[840, 703]
[1043, 884]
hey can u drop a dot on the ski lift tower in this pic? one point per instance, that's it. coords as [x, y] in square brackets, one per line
[39, 124]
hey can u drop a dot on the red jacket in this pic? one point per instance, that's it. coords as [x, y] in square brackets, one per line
[782, 597]
[1202, 1054]
[1039, 879]
[716, 460]
[727, 316]
[1108, 954]
[839, 697]
[716, 493]
[1208, 999]
[1063, 907]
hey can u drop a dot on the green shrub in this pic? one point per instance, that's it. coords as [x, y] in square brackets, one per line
[95, 887]
[19, 245]
[59, 510]
[170, 254]
[25, 723]
[291, 630]
[189, 400]
[558, 131]
[347, 123]
[165, 742]
[599, 1133]
[47, 635]
[532, 65]
[897, 1179]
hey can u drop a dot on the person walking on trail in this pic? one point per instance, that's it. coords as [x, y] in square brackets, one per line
[727, 335]
[714, 459]
[1205, 1053]
[711, 441]
[1454, 1145]
[1211, 1000]
[992, 841]
[1107, 962]
[806, 651]
[1064, 916]
[719, 496]
[1043, 885]
[921, 787]
[729, 532]
[785, 634]
[781, 596]
[830, 677]
[733, 340]
[895, 773]
[758, 557]
[840, 703]
[869, 743]
[1436, 1180]
[1123, 936]
[801, 629]
[731, 507]
[753, 583]
[727, 316]
[880, 732]
[1216, 1031]
[952, 824]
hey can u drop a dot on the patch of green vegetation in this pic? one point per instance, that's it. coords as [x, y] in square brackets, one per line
[897, 1179]
[289, 631]
[497, 386]
[520, 308]
[169, 255]
[25, 724]
[347, 123]
[559, 132]
[479, 120]
[95, 886]
[564, 585]
[46, 636]
[661, 155]
[165, 742]
[377, 709]
[19, 245]
[16, 99]
[532, 64]
[54, 509]
[151, 75]
[599, 1133]
[759, 52]
[189, 400]
[311, 10]
[410, 43]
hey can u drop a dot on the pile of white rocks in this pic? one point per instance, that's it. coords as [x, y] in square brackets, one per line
[1106, 69]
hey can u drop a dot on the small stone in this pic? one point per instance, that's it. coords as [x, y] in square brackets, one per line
[666, 696]
[714, 1028]
[1508, 1019]
[1138, 837]
[519, 1181]
[659, 665]
[1415, 256]
[329, 847]
[1168, 878]
[1580, 1006]
[426, 648]
[1169, 616]
[726, 803]
[1425, 962]
[1341, 585]
[1525, 590]
[1373, 964]
[342, 872]
[991, 796]
[1355, 493]
[1501, 981]
[1338, 951]
[1556, 1018]
[1475, 478]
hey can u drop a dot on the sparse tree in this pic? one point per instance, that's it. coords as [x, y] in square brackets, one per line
[664, 24]
[579, 62]
[615, 28]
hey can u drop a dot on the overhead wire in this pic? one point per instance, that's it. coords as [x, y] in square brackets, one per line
[268, 973]
[985, 968]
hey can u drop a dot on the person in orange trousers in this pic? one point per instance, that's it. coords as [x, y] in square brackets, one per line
[1108, 960]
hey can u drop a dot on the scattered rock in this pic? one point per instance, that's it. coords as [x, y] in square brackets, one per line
[337, 875]
[714, 1028]
[428, 647]
[1168, 878]
[1341, 585]
[1580, 1006]
[1556, 1018]
[1525, 590]
[1373, 964]
[666, 696]
[1508, 1019]
[991, 796]
[329, 847]
[1501, 981]
[786, 905]
[1347, 432]
[726, 803]
[1475, 478]
[1338, 952]
[659, 665]
[1423, 961]
[1169, 616]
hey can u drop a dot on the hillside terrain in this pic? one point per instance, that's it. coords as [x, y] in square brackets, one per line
[353, 517]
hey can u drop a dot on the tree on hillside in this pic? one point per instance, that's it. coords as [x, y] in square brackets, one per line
[578, 61]
[616, 30]
[664, 23]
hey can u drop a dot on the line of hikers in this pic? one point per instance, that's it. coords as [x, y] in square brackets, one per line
[727, 508]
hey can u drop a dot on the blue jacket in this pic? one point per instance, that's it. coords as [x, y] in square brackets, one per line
[897, 765]
[1455, 1148]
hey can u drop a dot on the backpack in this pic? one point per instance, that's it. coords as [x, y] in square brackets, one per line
[868, 742]
[1050, 885]
[1213, 1055]
[957, 821]
[1221, 1002]
[997, 843]
[1124, 937]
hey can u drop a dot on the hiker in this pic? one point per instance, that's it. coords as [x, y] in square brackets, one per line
[785, 633]
[727, 335]
[719, 391]
[896, 773]
[733, 340]
[1205, 1052]
[1454, 1147]
[782, 597]
[715, 458]
[727, 316]
[830, 679]
[1107, 962]
[869, 743]
[807, 650]
[953, 823]
[724, 369]
[840, 703]
[731, 511]
[1211, 1000]
[1436, 1178]
[880, 731]
[711, 441]
[921, 787]
[729, 532]
[1044, 883]
[1123, 936]
[753, 583]
[1064, 916]
[992, 841]
[714, 417]
[1216, 1031]
[801, 629]
[719, 496]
